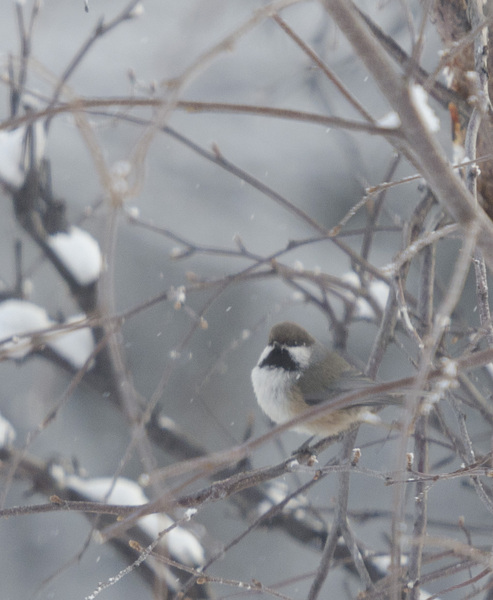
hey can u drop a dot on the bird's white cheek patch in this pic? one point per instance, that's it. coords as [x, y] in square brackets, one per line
[301, 355]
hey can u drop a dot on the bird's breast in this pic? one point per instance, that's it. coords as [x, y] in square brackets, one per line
[276, 390]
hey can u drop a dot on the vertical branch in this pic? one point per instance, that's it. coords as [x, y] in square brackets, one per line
[376, 209]
[420, 507]
[425, 311]
[386, 329]
[476, 18]
[339, 525]
[418, 43]
[441, 323]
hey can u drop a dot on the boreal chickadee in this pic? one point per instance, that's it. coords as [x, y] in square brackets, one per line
[296, 372]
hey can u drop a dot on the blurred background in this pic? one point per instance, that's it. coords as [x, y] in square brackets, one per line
[322, 170]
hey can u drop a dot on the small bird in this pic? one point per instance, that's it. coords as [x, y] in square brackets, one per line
[296, 372]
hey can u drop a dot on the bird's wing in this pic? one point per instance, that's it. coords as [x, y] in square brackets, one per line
[351, 380]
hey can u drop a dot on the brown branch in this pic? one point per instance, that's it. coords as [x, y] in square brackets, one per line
[420, 146]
